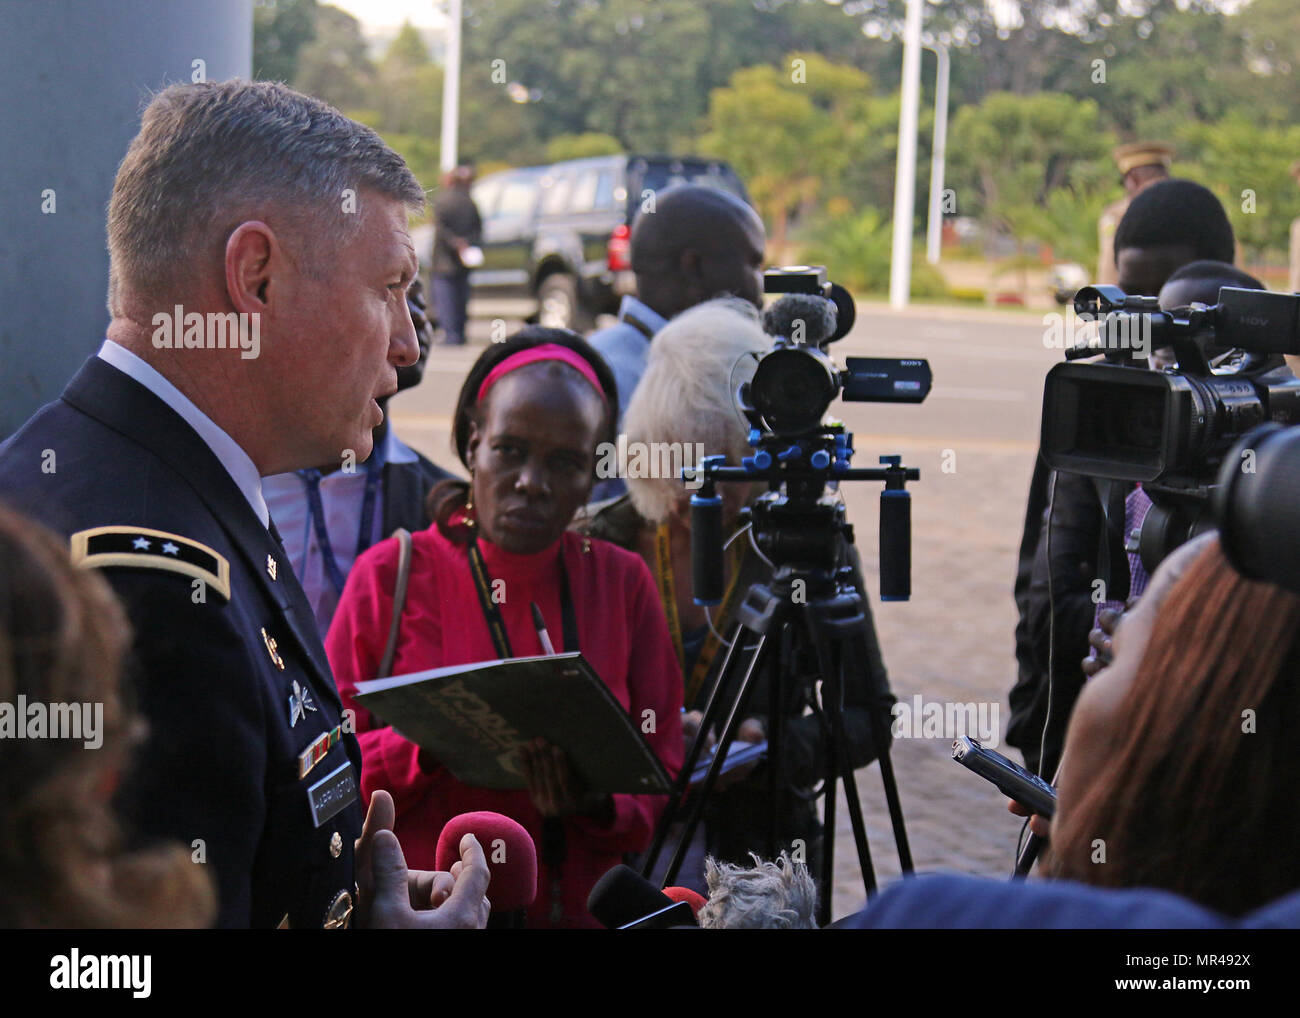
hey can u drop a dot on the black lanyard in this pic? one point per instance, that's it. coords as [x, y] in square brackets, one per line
[492, 611]
[554, 847]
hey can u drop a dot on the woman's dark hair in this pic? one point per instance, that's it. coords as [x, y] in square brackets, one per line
[1201, 777]
[447, 496]
[63, 860]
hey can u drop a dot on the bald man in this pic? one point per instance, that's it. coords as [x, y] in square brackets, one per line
[694, 243]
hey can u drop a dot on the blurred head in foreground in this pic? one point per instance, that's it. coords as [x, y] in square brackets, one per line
[62, 862]
[1179, 770]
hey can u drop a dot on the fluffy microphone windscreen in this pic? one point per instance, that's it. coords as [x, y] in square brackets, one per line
[511, 856]
[693, 898]
[802, 317]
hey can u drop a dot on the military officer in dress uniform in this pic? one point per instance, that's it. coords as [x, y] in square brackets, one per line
[248, 210]
[1140, 165]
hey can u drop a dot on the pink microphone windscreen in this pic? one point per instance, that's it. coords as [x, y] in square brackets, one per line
[511, 856]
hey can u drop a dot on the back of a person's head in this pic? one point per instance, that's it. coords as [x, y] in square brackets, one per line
[1201, 776]
[62, 639]
[1200, 282]
[212, 154]
[686, 396]
[1177, 213]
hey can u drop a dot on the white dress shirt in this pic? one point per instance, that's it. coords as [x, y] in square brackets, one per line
[237, 462]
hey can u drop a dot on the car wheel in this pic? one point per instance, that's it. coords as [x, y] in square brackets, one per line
[557, 303]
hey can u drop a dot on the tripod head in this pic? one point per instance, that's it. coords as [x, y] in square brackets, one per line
[796, 524]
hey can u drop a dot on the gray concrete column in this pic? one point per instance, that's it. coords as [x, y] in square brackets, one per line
[74, 76]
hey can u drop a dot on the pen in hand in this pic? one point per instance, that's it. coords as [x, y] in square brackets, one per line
[540, 623]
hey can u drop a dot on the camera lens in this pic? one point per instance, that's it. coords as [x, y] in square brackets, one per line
[792, 389]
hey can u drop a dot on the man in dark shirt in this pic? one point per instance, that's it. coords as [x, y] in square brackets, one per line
[458, 230]
[1168, 225]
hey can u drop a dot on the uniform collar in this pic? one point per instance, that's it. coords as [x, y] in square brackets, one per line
[641, 316]
[228, 452]
[129, 407]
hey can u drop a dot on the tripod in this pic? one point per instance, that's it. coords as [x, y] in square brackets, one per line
[809, 605]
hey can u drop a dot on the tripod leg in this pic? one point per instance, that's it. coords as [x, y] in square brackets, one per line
[775, 724]
[851, 789]
[681, 787]
[881, 737]
[729, 731]
[833, 710]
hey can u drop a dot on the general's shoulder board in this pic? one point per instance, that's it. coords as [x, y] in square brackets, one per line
[141, 548]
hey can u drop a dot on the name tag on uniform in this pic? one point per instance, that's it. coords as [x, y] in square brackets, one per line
[332, 793]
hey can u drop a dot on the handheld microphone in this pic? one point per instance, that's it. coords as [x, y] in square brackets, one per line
[511, 857]
[622, 896]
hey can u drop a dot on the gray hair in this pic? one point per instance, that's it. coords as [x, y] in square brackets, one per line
[685, 395]
[211, 155]
[772, 896]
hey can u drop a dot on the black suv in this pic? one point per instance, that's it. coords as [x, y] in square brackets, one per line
[555, 238]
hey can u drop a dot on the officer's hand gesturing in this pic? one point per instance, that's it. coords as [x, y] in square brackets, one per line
[393, 897]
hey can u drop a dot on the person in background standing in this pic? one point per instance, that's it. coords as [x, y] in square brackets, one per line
[458, 230]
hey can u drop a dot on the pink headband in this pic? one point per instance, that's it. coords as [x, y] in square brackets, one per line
[544, 352]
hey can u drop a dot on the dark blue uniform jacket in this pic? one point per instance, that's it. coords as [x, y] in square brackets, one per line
[227, 667]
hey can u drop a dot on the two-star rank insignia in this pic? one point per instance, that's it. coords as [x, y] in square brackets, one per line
[141, 548]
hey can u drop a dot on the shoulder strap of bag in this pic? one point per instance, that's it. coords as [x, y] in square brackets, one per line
[399, 599]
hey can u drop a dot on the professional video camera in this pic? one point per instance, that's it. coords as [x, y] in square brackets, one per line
[810, 607]
[799, 452]
[1171, 429]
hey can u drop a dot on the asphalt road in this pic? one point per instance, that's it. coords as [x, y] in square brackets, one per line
[988, 371]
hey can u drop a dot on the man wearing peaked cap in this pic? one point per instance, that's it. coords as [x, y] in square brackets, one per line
[1140, 165]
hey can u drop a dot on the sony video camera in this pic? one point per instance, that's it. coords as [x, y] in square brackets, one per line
[798, 451]
[1171, 429]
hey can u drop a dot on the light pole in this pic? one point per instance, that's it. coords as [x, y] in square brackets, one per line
[934, 225]
[451, 89]
[900, 272]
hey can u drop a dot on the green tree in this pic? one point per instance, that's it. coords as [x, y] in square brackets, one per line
[407, 87]
[334, 65]
[581, 146]
[858, 251]
[1248, 166]
[1012, 153]
[639, 71]
[794, 133]
[281, 28]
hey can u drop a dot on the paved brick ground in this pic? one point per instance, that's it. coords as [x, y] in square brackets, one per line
[952, 641]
